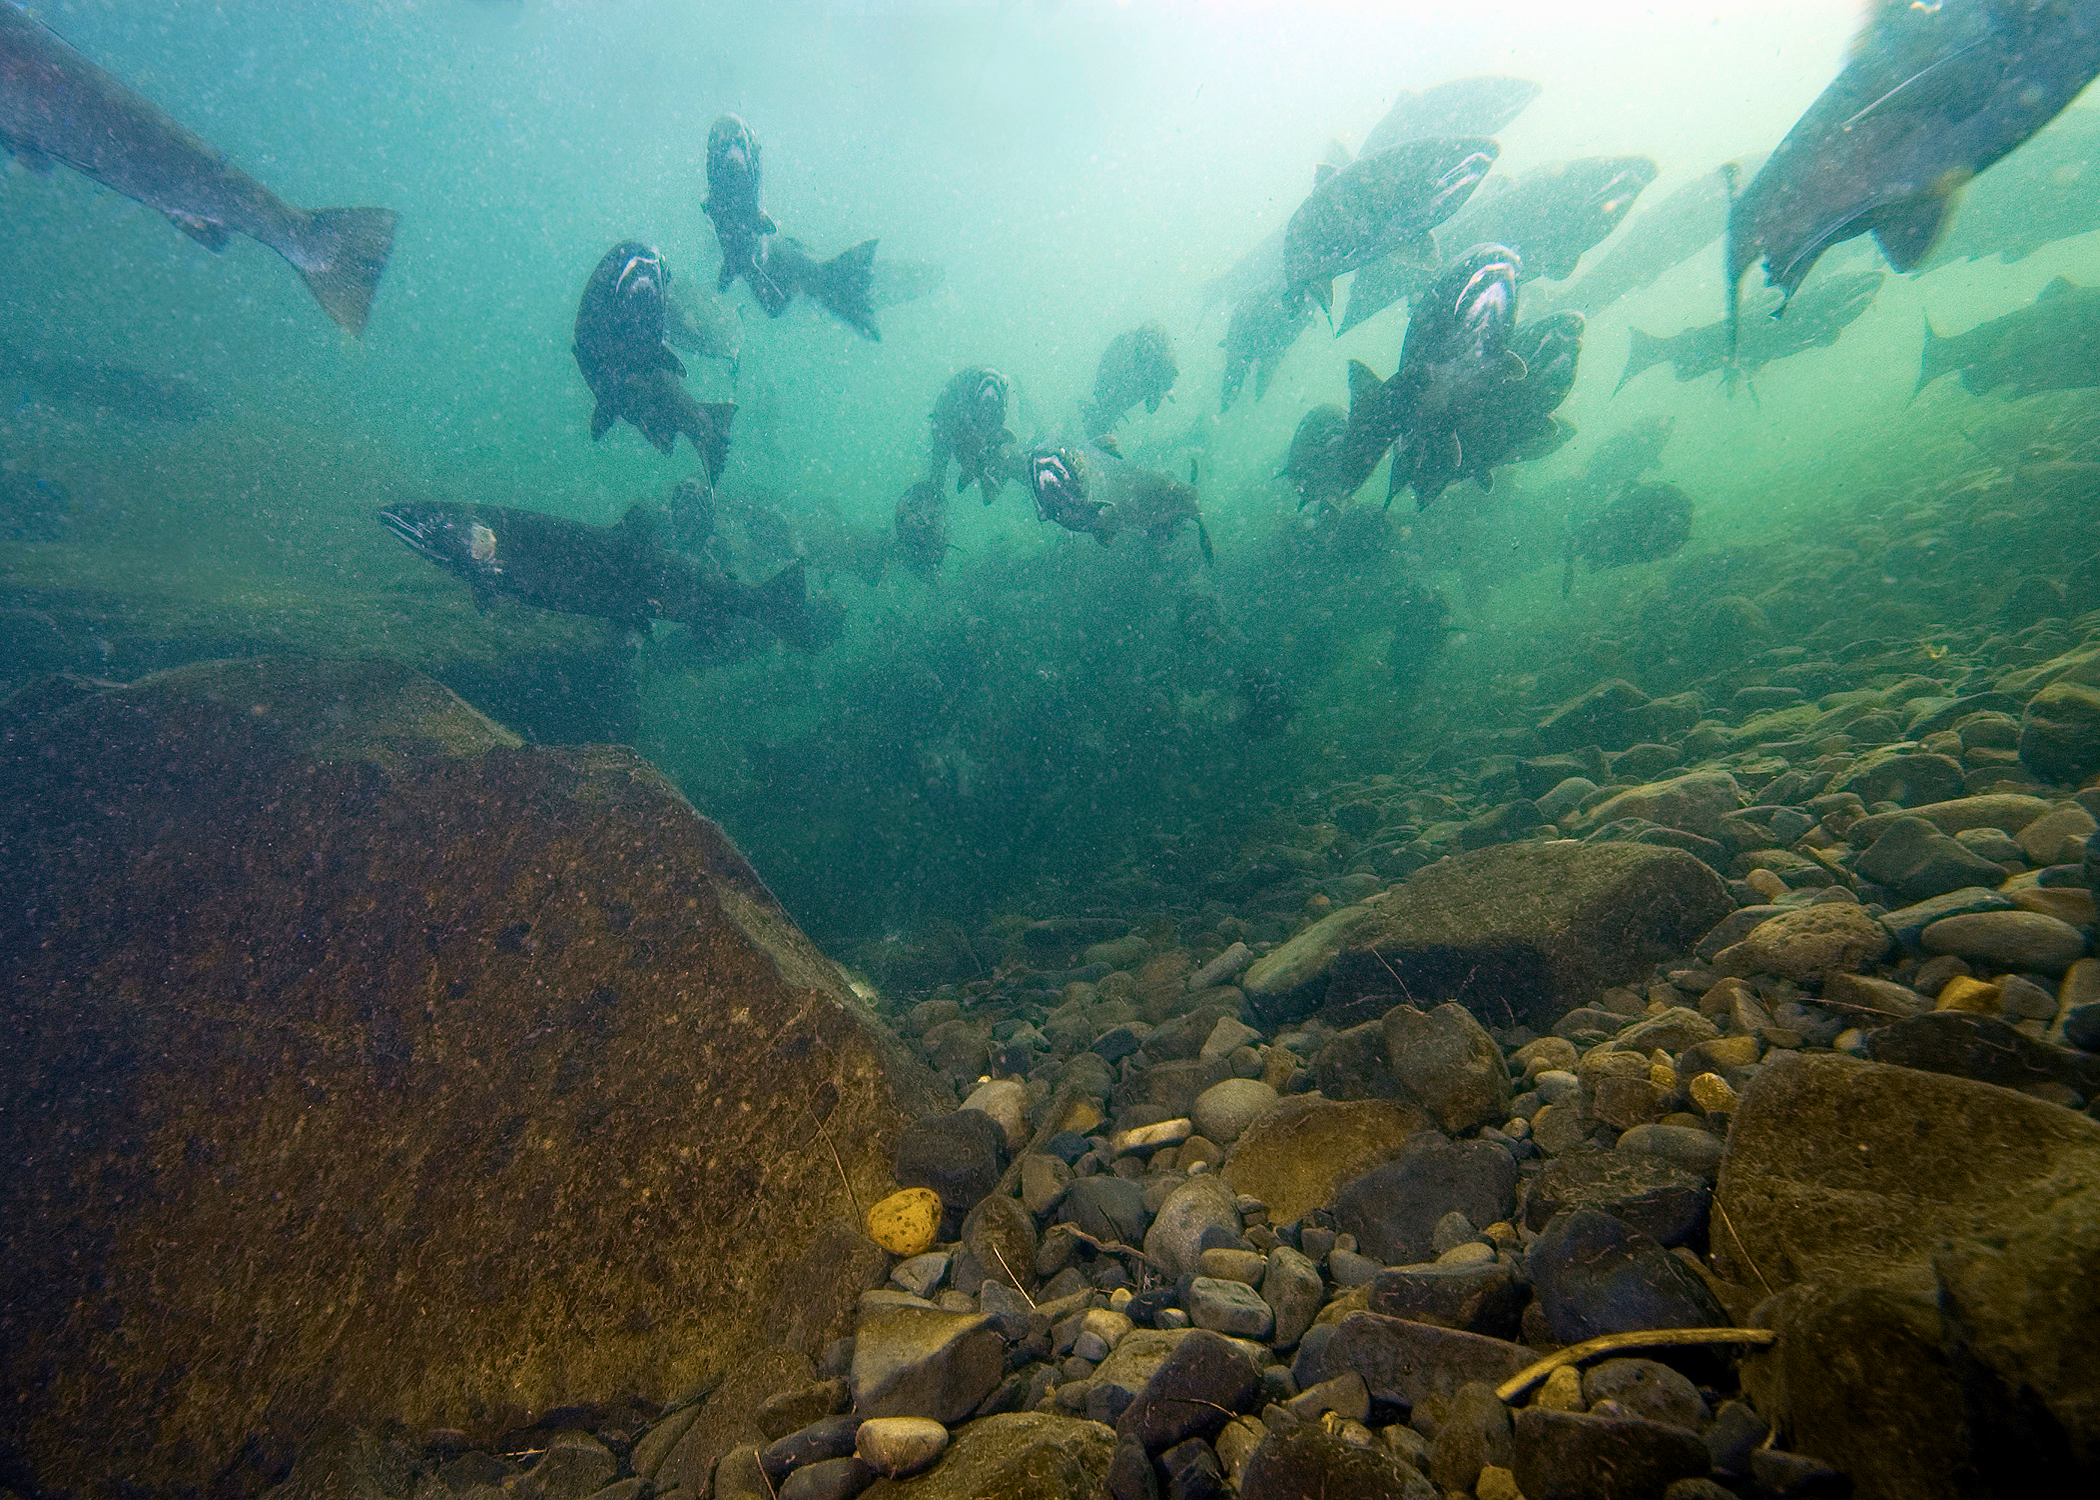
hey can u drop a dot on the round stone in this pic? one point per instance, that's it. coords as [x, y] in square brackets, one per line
[2019, 940]
[1811, 943]
[905, 1222]
[897, 1446]
[1225, 1109]
[1005, 1100]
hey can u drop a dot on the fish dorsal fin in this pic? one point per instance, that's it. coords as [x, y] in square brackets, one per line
[1906, 231]
[1338, 155]
[1323, 171]
[2057, 286]
[1362, 382]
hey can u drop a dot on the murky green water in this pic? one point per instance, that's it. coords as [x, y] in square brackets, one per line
[1046, 710]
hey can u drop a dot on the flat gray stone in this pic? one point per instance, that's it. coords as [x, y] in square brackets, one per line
[1907, 922]
[2007, 939]
[1232, 1308]
[923, 1362]
[1406, 1362]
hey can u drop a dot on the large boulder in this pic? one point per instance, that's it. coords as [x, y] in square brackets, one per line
[366, 1067]
[1519, 934]
[1931, 1240]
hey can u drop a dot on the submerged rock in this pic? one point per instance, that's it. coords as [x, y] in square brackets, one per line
[1518, 934]
[430, 1071]
[1931, 1239]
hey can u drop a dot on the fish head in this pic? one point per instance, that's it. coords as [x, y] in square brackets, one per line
[1550, 359]
[1455, 184]
[1481, 294]
[732, 156]
[987, 400]
[639, 286]
[450, 536]
[1057, 479]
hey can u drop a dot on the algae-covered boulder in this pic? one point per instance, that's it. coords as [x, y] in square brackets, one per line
[1932, 1241]
[1518, 934]
[367, 1067]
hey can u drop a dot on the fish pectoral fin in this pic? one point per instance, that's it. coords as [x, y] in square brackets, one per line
[602, 418]
[1513, 366]
[766, 224]
[1906, 231]
[212, 237]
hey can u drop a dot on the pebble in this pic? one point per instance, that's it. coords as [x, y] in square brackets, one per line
[1006, 1101]
[1175, 1240]
[1151, 1137]
[921, 1274]
[1225, 966]
[1229, 1307]
[898, 1446]
[1224, 1110]
[1809, 944]
[1964, 993]
[2009, 939]
[906, 1221]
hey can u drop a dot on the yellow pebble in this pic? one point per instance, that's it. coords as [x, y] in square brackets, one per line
[1082, 1117]
[1562, 1390]
[1712, 1093]
[1973, 995]
[1663, 1076]
[1496, 1484]
[1733, 1051]
[905, 1222]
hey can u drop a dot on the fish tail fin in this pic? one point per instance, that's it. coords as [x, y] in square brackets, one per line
[784, 606]
[341, 253]
[1934, 361]
[1647, 350]
[710, 434]
[845, 285]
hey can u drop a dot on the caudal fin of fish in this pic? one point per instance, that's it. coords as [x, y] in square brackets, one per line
[342, 252]
[845, 285]
[709, 429]
[1647, 350]
[784, 606]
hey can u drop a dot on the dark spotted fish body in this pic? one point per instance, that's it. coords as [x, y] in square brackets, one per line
[843, 286]
[1517, 425]
[1932, 96]
[1136, 367]
[1812, 320]
[969, 427]
[919, 530]
[1550, 216]
[1642, 523]
[633, 377]
[620, 573]
[1091, 488]
[741, 222]
[1265, 323]
[1463, 106]
[1456, 359]
[1317, 465]
[1377, 205]
[56, 106]
[2052, 344]
[1654, 242]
